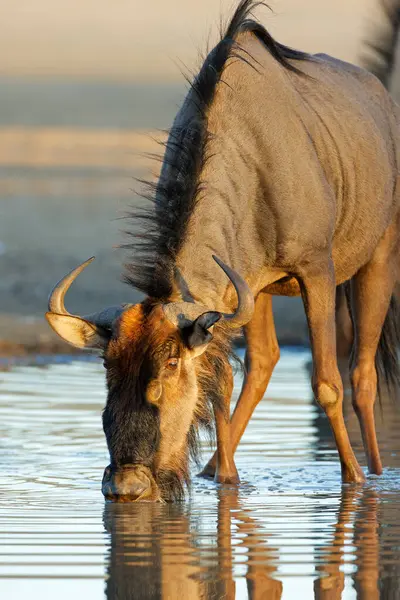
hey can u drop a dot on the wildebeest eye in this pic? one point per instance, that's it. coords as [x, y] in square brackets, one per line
[172, 363]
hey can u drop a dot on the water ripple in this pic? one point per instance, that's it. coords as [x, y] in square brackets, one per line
[290, 531]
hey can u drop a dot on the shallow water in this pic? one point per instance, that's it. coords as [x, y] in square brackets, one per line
[290, 531]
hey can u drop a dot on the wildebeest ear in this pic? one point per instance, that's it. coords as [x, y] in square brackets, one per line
[78, 332]
[198, 334]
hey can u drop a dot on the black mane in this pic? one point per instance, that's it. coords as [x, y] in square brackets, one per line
[163, 226]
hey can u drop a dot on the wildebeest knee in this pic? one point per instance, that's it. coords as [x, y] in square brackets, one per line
[364, 384]
[328, 395]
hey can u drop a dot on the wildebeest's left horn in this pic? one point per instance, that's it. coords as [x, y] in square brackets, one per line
[91, 331]
[245, 309]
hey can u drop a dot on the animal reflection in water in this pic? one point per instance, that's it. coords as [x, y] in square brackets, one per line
[157, 551]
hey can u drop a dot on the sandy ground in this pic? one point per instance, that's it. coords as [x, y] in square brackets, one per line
[22, 336]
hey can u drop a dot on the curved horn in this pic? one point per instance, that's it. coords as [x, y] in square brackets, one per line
[245, 309]
[79, 331]
[56, 298]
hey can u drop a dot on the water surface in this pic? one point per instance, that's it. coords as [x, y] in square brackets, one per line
[290, 531]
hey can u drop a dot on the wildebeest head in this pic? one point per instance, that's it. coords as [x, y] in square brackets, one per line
[164, 362]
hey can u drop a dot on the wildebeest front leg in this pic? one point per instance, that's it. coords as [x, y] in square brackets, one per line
[225, 471]
[262, 354]
[318, 291]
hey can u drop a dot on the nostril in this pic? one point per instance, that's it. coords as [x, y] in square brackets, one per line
[107, 490]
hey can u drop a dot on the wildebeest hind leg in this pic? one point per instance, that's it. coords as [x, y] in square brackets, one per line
[318, 291]
[371, 290]
[262, 354]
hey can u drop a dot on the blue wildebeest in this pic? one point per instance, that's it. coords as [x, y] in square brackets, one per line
[284, 166]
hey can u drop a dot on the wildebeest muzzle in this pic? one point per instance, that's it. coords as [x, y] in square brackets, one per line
[129, 483]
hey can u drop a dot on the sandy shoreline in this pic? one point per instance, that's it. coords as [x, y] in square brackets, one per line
[22, 337]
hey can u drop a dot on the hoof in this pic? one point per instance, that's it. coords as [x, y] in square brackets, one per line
[207, 473]
[232, 479]
[353, 476]
[376, 471]
[375, 467]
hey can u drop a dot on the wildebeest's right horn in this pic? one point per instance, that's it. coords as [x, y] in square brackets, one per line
[245, 309]
[91, 331]
[56, 298]
[187, 315]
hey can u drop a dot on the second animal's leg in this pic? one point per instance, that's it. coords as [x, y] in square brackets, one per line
[318, 291]
[262, 354]
[371, 290]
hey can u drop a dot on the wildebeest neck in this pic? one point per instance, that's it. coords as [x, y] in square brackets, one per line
[182, 186]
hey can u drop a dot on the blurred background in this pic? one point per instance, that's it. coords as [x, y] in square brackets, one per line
[84, 87]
